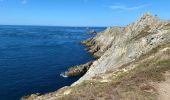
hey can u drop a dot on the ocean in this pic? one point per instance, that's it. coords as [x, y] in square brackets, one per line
[33, 57]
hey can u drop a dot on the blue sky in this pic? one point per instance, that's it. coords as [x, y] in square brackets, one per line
[79, 12]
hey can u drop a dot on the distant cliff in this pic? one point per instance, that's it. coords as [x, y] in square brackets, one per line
[133, 63]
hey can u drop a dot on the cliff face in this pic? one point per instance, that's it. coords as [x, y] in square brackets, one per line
[136, 56]
[103, 41]
[120, 46]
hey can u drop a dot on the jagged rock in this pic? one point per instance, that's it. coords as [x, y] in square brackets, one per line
[92, 32]
[77, 70]
[117, 46]
[145, 43]
[102, 42]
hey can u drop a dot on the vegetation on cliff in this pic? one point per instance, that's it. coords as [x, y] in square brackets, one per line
[133, 64]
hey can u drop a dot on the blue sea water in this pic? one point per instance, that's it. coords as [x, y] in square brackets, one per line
[32, 58]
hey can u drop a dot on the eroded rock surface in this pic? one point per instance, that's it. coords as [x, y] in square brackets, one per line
[77, 70]
[129, 60]
[119, 46]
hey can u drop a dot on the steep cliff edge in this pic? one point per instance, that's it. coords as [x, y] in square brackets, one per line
[120, 46]
[133, 63]
[103, 41]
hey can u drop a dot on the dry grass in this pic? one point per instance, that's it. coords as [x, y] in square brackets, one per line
[168, 24]
[131, 85]
[143, 33]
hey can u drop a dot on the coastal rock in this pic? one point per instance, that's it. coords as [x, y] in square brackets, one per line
[118, 46]
[131, 62]
[102, 41]
[92, 32]
[77, 70]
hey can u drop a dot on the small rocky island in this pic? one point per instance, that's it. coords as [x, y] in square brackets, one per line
[132, 63]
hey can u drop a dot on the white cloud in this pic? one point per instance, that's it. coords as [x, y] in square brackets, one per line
[125, 8]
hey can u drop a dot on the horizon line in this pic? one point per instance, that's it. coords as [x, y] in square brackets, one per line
[51, 25]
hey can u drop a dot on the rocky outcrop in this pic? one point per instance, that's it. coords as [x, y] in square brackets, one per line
[77, 70]
[92, 32]
[103, 41]
[131, 61]
[119, 46]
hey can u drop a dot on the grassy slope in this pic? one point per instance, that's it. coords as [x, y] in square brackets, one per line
[130, 85]
[136, 83]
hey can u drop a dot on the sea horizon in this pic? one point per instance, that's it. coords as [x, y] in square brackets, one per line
[57, 26]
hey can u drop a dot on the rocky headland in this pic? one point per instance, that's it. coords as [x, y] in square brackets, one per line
[133, 63]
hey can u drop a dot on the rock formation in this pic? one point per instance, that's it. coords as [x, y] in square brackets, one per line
[119, 46]
[92, 32]
[132, 60]
[77, 70]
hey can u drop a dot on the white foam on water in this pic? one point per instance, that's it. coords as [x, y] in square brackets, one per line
[63, 75]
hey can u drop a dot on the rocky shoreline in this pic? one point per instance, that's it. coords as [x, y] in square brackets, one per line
[78, 70]
[130, 63]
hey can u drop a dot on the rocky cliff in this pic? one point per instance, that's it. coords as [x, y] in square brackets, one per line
[133, 63]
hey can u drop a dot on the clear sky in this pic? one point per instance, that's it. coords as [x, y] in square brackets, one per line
[79, 12]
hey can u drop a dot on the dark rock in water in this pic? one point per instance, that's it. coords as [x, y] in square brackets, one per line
[78, 70]
[126, 60]
[92, 32]
[87, 42]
